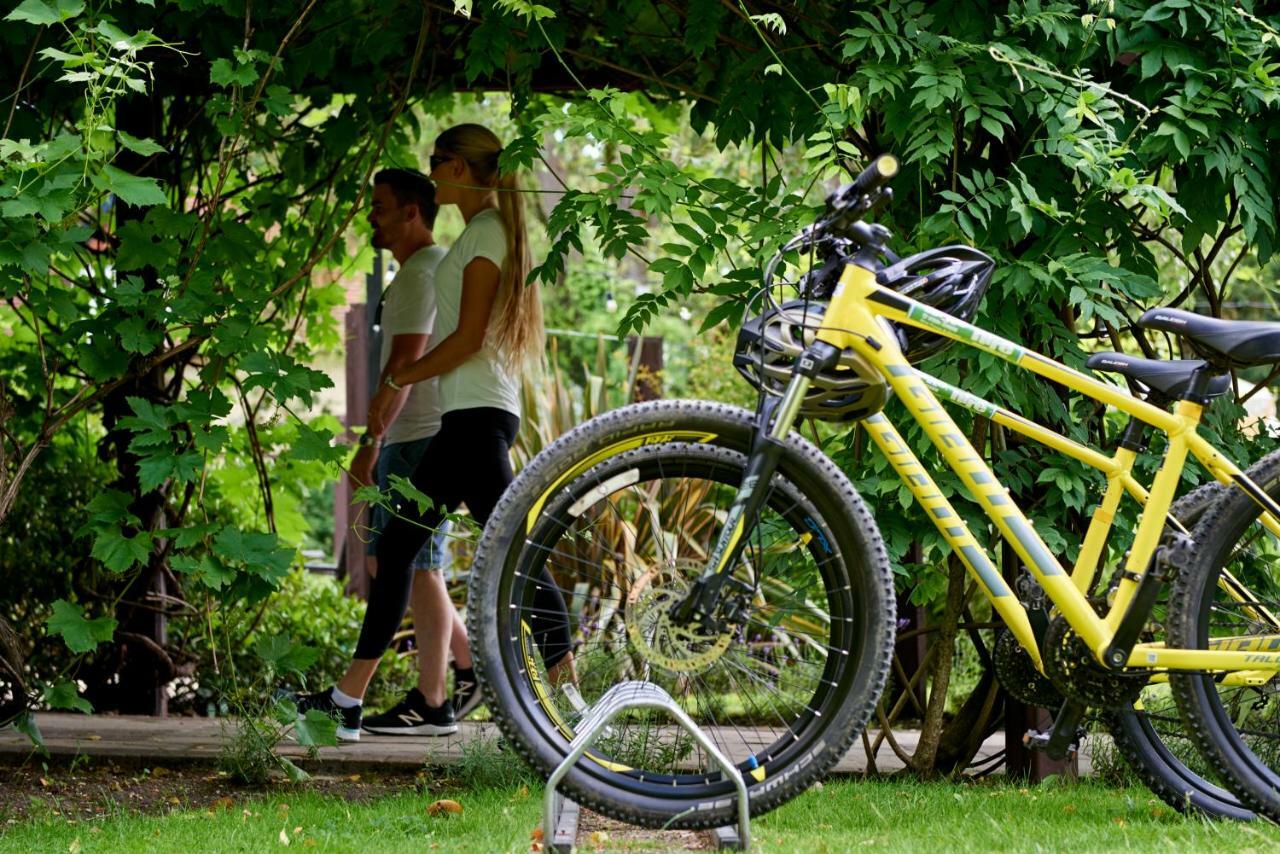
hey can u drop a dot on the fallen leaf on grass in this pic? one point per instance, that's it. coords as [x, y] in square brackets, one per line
[354, 778]
[536, 835]
[222, 804]
[444, 807]
[284, 837]
[74, 847]
[160, 772]
[522, 793]
[535, 847]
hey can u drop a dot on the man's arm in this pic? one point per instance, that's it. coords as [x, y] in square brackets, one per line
[405, 350]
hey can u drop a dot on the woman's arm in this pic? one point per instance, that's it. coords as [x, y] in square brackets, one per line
[479, 292]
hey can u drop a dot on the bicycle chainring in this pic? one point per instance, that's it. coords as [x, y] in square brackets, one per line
[1018, 675]
[1070, 665]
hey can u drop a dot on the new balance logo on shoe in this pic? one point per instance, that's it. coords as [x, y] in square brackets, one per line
[413, 716]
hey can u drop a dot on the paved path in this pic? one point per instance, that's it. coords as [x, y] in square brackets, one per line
[175, 740]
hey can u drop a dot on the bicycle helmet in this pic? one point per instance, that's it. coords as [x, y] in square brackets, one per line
[770, 344]
[952, 279]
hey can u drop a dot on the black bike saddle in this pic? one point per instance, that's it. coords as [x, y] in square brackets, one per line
[1168, 377]
[1242, 342]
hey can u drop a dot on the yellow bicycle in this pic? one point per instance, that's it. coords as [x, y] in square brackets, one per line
[717, 553]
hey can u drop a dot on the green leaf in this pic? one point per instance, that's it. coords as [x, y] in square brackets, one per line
[223, 73]
[154, 470]
[145, 147]
[285, 656]
[79, 634]
[136, 337]
[130, 189]
[119, 553]
[316, 729]
[110, 508]
[25, 723]
[404, 488]
[42, 14]
[292, 771]
[315, 445]
[260, 553]
[63, 695]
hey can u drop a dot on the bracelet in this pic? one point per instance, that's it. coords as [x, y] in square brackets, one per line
[366, 440]
[390, 383]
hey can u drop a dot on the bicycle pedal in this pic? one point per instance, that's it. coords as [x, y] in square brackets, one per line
[1041, 740]
[1035, 739]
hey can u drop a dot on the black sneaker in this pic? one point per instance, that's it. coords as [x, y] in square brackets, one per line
[412, 716]
[466, 692]
[348, 719]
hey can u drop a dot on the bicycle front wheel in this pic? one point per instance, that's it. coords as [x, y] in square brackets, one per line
[621, 515]
[1229, 598]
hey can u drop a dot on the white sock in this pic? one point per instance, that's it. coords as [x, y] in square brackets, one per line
[344, 701]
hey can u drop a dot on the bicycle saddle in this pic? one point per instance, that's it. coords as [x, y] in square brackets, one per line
[1168, 377]
[1243, 342]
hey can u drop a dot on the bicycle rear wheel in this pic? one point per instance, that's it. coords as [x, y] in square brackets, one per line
[624, 512]
[1150, 736]
[1229, 597]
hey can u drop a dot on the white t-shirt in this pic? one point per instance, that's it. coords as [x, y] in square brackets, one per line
[410, 309]
[481, 380]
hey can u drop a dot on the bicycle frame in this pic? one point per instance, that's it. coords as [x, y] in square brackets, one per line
[853, 319]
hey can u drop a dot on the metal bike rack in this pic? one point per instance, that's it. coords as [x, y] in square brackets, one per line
[559, 821]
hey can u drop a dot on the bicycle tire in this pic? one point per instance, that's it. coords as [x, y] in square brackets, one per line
[1214, 712]
[630, 443]
[1151, 738]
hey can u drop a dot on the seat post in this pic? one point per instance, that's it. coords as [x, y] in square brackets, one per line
[1134, 437]
[1198, 389]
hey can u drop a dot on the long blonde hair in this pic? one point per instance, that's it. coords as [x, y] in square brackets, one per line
[517, 332]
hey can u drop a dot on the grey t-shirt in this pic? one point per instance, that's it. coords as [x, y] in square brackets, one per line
[410, 309]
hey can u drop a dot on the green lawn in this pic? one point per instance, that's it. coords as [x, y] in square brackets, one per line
[842, 816]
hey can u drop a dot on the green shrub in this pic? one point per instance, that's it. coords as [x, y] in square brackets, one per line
[313, 610]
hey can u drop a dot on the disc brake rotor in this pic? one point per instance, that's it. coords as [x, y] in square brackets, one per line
[680, 649]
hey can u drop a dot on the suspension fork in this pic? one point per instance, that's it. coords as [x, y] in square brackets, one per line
[706, 602]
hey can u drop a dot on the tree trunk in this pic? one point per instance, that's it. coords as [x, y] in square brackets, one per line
[931, 728]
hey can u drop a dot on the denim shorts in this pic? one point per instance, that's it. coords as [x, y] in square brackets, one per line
[401, 458]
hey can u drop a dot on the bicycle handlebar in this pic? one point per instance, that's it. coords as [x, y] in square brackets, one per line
[875, 176]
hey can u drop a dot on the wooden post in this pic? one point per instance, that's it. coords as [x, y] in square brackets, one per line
[363, 344]
[347, 544]
[1031, 765]
[649, 378]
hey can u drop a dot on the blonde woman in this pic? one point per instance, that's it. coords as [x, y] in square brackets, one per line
[488, 326]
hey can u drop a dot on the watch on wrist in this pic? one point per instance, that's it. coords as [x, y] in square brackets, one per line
[390, 383]
[369, 441]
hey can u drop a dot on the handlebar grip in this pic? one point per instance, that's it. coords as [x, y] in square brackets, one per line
[880, 171]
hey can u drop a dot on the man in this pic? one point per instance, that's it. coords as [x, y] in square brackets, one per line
[402, 215]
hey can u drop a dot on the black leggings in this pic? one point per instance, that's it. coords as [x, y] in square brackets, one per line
[469, 462]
